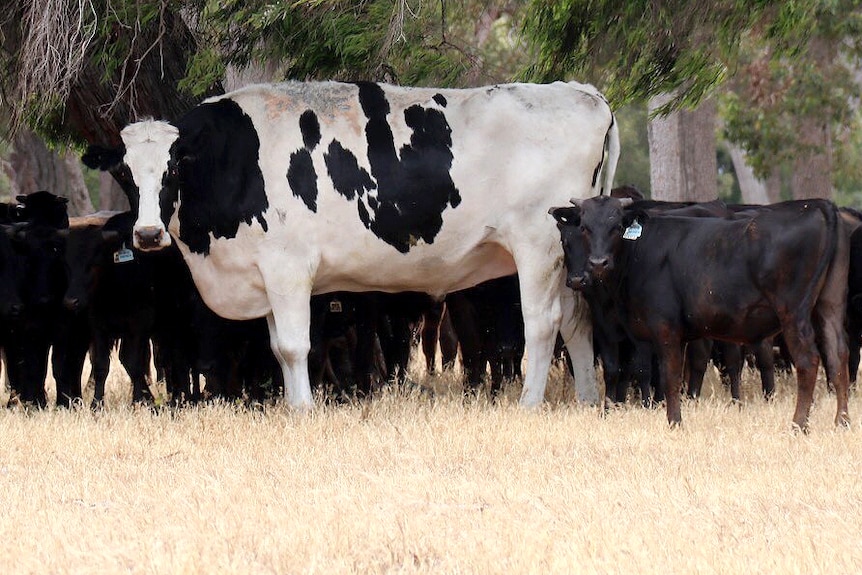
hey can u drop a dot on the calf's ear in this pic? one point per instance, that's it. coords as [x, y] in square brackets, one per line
[111, 236]
[567, 216]
[630, 215]
[104, 159]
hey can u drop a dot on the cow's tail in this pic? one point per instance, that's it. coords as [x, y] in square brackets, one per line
[610, 157]
[612, 143]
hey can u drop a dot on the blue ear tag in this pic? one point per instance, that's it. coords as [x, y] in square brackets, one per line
[335, 306]
[124, 255]
[633, 232]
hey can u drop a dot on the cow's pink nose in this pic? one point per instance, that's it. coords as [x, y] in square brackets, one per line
[150, 238]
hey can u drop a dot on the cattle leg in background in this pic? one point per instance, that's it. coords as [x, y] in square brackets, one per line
[70, 352]
[466, 325]
[576, 329]
[135, 357]
[100, 359]
[437, 329]
[764, 359]
[638, 367]
[448, 341]
[27, 365]
[697, 354]
[728, 358]
[431, 335]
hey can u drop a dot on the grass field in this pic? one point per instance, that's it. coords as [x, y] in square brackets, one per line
[424, 483]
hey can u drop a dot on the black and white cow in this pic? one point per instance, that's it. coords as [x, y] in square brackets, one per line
[277, 192]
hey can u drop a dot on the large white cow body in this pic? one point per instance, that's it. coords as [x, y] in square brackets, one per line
[277, 192]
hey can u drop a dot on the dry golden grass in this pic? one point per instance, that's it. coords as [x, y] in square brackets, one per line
[412, 483]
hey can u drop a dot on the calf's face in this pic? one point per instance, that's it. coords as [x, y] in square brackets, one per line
[592, 234]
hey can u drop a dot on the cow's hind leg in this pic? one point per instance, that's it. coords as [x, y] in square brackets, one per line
[832, 337]
[541, 307]
[289, 338]
[800, 340]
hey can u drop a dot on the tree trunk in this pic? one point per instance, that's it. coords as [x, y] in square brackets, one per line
[76, 189]
[683, 164]
[812, 166]
[753, 189]
[111, 195]
[32, 166]
[773, 186]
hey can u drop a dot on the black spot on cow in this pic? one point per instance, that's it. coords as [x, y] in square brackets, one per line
[413, 184]
[363, 215]
[300, 173]
[215, 162]
[440, 99]
[310, 128]
[303, 179]
[347, 177]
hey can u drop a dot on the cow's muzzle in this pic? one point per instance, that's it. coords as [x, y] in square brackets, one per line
[599, 267]
[150, 238]
[577, 282]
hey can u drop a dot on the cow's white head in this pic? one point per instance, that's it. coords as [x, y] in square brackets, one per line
[148, 153]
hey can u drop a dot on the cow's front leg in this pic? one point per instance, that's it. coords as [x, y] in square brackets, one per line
[290, 341]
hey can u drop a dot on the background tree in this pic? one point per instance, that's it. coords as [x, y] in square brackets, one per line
[638, 51]
[76, 71]
[795, 109]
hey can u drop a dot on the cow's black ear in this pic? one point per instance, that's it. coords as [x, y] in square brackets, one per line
[856, 302]
[111, 236]
[567, 215]
[634, 213]
[104, 159]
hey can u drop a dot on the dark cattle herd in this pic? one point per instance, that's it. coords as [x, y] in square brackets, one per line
[295, 236]
[75, 285]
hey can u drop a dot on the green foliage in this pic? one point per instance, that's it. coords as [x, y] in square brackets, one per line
[639, 49]
[776, 90]
[119, 27]
[848, 164]
[337, 39]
